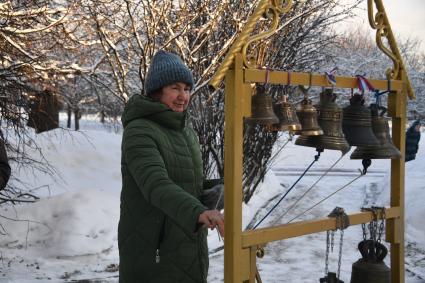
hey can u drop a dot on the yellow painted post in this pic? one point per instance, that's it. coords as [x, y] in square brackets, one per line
[395, 227]
[233, 169]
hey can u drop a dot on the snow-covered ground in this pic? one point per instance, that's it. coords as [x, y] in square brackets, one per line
[71, 233]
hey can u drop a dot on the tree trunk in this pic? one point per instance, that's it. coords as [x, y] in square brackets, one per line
[102, 117]
[69, 113]
[77, 116]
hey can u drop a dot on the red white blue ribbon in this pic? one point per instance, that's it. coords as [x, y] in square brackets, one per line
[330, 76]
[364, 84]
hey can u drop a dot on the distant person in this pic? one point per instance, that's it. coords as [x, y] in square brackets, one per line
[413, 135]
[162, 235]
[4, 164]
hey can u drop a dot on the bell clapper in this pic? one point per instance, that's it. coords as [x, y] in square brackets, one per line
[366, 163]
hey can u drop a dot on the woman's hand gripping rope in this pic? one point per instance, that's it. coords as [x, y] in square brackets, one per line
[214, 219]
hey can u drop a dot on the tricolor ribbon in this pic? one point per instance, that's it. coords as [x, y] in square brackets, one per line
[364, 84]
[330, 76]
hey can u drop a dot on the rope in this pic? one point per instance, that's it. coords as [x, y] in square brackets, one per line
[316, 158]
[340, 189]
[309, 189]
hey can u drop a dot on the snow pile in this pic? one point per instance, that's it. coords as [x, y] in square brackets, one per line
[415, 196]
[71, 224]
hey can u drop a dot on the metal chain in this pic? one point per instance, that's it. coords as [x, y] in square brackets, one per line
[364, 231]
[327, 253]
[375, 224]
[370, 228]
[342, 222]
[341, 241]
[382, 225]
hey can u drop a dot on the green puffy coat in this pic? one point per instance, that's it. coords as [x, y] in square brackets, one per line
[162, 177]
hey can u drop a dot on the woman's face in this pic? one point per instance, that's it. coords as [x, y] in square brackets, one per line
[175, 96]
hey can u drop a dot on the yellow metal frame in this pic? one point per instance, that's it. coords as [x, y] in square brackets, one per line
[239, 72]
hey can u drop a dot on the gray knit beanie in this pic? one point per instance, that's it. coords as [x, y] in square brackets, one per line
[166, 68]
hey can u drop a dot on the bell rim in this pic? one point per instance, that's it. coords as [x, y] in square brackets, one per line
[309, 133]
[370, 152]
[340, 143]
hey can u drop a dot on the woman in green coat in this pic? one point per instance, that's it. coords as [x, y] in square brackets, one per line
[162, 229]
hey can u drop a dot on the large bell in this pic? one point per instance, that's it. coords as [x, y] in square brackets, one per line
[262, 109]
[386, 149]
[307, 115]
[330, 118]
[357, 123]
[371, 267]
[288, 120]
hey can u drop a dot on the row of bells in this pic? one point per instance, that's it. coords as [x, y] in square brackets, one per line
[327, 126]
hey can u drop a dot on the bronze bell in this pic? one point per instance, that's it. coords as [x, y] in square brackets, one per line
[330, 118]
[287, 117]
[262, 109]
[386, 149]
[307, 115]
[357, 123]
[371, 267]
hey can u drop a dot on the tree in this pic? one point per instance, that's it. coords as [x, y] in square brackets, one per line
[356, 53]
[32, 45]
[131, 31]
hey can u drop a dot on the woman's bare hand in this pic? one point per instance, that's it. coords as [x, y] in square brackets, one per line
[213, 219]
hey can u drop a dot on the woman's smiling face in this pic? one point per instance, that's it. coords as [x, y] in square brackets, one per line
[175, 96]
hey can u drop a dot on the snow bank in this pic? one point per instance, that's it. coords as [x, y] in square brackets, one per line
[71, 224]
[415, 197]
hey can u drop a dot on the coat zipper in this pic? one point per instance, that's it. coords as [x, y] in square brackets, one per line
[161, 237]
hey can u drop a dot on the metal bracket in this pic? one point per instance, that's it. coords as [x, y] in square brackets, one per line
[341, 218]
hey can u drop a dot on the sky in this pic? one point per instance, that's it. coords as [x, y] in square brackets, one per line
[407, 17]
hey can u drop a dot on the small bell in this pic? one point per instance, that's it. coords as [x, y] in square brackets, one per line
[371, 267]
[262, 109]
[330, 117]
[357, 123]
[288, 120]
[307, 115]
[386, 149]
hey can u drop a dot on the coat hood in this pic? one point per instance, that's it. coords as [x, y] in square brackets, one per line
[139, 106]
[414, 124]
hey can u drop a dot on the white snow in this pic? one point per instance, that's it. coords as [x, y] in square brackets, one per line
[71, 233]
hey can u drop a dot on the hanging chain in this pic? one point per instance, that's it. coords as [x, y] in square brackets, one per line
[382, 224]
[327, 253]
[372, 226]
[364, 231]
[375, 224]
[375, 231]
[341, 241]
[342, 222]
